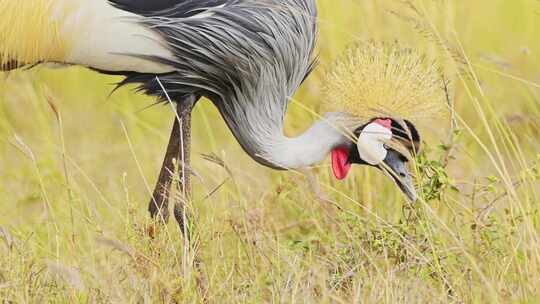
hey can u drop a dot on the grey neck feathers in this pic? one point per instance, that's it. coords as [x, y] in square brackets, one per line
[263, 139]
[308, 149]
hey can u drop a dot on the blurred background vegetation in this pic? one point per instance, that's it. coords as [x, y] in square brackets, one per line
[74, 190]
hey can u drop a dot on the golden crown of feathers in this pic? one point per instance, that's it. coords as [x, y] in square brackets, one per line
[27, 33]
[376, 79]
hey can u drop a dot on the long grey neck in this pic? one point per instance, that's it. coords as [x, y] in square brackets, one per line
[258, 127]
[308, 149]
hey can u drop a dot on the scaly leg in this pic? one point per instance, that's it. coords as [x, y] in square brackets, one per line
[184, 164]
[178, 152]
[159, 203]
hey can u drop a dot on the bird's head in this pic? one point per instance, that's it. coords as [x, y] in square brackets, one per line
[384, 143]
[381, 88]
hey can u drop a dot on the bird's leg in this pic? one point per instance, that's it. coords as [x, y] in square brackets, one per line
[159, 203]
[184, 162]
[177, 154]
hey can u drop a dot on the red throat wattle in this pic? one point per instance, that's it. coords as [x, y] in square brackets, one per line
[340, 163]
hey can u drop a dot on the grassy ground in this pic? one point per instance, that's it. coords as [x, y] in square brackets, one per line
[73, 193]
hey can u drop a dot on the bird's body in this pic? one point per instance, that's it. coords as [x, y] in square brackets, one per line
[248, 57]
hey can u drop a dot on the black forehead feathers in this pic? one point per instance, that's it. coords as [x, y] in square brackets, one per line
[408, 134]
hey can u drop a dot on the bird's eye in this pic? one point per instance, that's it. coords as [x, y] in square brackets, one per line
[385, 146]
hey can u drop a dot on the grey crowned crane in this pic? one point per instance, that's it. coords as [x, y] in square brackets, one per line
[248, 57]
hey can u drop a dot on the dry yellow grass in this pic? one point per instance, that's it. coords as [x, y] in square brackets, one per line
[73, 191]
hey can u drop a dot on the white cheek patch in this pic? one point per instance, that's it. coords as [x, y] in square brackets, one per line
[371, 143]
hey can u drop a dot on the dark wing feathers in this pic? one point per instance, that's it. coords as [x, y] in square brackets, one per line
[168, 8]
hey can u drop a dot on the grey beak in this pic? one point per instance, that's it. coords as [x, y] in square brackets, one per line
[396, 168]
